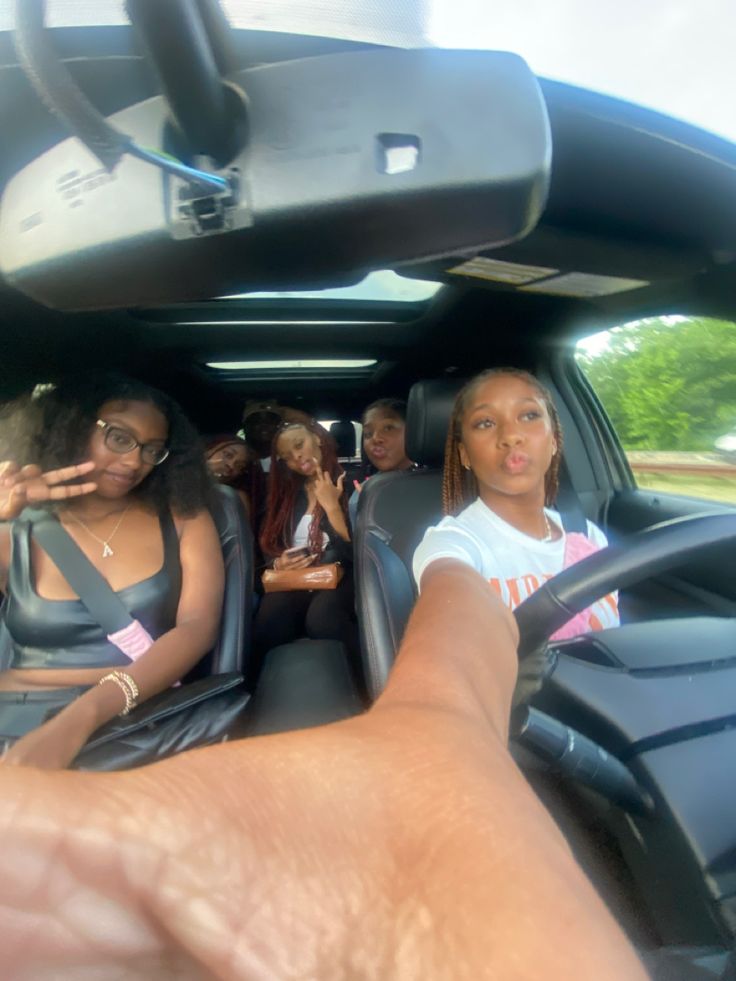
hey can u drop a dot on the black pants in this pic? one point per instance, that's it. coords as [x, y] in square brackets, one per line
[320, 614]
[22, 711]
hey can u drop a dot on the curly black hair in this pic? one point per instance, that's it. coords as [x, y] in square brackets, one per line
[53, 427]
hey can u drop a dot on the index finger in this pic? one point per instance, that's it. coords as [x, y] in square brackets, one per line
[70, 490]
[52, 477]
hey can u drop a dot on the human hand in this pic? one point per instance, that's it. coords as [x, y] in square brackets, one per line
[53, 745]
[286, 561]
[267, 851]
[328, 494]
[21, 486]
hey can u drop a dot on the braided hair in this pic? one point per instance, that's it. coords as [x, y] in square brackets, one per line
[459, 486]
[284, 488]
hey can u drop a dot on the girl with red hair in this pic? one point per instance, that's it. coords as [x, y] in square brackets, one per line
[306, 511]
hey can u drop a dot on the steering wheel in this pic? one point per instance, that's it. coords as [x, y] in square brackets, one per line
[642, 555]
[645, 554]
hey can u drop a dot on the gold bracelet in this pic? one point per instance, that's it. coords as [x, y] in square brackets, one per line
[127, 686]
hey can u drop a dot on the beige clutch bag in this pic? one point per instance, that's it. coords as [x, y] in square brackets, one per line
[313, 577]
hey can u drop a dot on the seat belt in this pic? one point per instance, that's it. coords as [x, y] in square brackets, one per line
[568, 504]
[96, 594]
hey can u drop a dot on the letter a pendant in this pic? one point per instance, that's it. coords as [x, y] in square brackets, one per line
[107, 551]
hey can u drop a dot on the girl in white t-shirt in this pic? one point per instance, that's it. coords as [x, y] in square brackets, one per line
[502, 462]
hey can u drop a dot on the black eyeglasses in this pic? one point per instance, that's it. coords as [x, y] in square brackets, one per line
[121, 441]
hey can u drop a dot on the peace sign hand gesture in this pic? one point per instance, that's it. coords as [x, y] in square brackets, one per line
[328, 494]
[21, 486]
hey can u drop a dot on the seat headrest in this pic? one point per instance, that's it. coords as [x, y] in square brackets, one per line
[343, 432]
[427, 418]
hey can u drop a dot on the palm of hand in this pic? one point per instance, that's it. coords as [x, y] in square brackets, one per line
[20, 486]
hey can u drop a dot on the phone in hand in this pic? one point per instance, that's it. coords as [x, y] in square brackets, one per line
[298, 552]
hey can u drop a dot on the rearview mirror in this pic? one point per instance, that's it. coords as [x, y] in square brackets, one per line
[353, 161]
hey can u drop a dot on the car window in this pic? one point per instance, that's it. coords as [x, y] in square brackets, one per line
[668, 385]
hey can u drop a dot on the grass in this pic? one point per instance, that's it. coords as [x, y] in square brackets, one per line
[709, 488]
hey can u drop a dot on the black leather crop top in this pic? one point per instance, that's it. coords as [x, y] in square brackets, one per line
[62, 633]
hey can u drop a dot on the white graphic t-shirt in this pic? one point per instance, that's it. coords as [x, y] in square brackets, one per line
[514, 564]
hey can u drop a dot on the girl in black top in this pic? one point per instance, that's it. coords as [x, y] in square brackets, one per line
[123, 471]
[307, 508]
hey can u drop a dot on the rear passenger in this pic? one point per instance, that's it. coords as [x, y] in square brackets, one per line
[384, 442]
[306, 511]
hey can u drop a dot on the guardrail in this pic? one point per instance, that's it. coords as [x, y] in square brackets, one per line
[699, 469]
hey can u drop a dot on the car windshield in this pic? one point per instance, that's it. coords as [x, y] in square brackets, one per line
[670, 55]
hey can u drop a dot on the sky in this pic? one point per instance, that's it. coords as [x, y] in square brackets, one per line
[676, 56]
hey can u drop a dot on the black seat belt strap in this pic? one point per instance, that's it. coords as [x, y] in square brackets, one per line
[568, 504]
[94, 591]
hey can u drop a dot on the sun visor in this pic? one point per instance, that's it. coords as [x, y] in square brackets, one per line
[352, 161]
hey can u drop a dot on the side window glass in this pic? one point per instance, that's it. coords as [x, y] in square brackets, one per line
[668, 385]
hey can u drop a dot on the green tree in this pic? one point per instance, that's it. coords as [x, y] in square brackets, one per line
[667, 383]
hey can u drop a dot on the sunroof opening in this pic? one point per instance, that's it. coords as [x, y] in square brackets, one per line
[277, 365]
[342, 322]
[384, 286]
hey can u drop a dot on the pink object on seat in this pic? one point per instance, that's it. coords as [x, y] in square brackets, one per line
[132, 640]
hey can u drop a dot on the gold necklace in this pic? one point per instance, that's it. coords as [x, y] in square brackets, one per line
[107, 552]
[548, 528]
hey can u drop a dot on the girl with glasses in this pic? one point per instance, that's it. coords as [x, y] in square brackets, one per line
[117, 463]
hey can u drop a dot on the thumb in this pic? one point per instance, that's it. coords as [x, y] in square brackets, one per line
[341, 481]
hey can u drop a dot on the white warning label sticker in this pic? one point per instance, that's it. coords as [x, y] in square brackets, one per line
[584, 284]
[498, 271]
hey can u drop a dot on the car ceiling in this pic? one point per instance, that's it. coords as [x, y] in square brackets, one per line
[634, 195]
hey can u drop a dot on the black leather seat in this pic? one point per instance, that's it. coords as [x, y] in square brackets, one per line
[343, 432]
[233, 649]
[394, 511]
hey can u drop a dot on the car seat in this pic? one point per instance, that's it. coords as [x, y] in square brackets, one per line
[394, 511]
[343, 432]
[233, 648]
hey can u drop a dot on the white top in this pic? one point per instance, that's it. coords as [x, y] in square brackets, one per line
[301, 533]
[514, 564]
